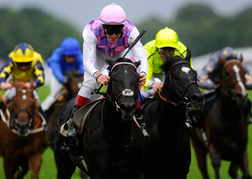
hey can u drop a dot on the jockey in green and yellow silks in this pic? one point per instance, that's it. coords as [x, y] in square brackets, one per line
[166, 40]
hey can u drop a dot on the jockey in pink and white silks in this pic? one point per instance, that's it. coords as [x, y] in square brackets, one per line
[107, 36]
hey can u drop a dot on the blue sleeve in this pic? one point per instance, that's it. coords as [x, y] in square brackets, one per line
[54, 62]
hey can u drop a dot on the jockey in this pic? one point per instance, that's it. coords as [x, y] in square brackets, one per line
[107, 36]
[67, 57]
[166, 40]
[211, 75]
[24, 64]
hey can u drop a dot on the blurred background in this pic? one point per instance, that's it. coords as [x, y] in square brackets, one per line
[204, 26]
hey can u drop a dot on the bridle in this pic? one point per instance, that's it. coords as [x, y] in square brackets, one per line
[31, 115]
[183, 100]
[229, 92]
[125, 92]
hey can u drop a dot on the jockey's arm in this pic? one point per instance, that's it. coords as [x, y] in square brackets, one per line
[5, 86]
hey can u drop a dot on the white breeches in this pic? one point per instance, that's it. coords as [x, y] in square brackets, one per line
[55, 88]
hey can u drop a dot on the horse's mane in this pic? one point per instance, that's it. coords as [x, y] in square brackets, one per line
[121, 59]
[169, 63]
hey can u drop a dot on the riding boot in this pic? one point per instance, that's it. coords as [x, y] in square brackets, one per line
[247, 111]
[249, 121]
[2, 106]
[72, 140]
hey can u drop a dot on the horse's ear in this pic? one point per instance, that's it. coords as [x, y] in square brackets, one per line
[241, 58]
[137, 63]
[188, 55]
[110, 62]
[222, 60]
[69, 74]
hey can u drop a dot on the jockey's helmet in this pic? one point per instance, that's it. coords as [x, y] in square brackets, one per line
[228, 53]
[166, 38]
[113, 14]
[23, 53]
[70, 46]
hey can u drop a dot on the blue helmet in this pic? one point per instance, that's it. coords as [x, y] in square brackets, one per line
[70, 46]
[228, 53]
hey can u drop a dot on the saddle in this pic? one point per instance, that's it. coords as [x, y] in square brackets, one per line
[80, 116]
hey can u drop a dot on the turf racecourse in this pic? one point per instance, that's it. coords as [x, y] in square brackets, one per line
[48, 169]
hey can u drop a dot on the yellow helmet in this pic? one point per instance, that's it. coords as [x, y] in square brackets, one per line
[166, 38]
[23, 53]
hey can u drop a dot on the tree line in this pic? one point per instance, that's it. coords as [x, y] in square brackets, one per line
[197, 25]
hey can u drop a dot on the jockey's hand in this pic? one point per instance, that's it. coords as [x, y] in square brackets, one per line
[28, 84]
[142, 79]
[103, 79]
[157, 86]
[5, 86]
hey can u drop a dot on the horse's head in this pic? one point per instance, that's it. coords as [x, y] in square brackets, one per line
[180, 86]
[233, 80]
[23, 108]
[74, 82]
[123, 86]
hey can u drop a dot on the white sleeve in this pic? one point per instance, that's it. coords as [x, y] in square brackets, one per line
[138, 51]
[89, 51]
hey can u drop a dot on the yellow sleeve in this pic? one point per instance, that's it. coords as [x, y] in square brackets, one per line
[149, 52]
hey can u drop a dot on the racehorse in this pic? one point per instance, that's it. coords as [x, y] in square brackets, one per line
[111, 142]
[22, 134]
[225, 125]
[70, 90]
[168, 145]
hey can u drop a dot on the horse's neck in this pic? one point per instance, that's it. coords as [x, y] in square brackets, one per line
[113, 124]
[233, 111]
[170, 114]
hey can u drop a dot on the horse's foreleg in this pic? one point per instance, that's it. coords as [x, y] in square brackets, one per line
[216, 162]
[201, 154]
[34, 163]
[233, 168]
[243, 164]
[9, 168]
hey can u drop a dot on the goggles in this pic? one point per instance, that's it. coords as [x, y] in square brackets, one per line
[24, 64]
[162, 50]
[113, 29]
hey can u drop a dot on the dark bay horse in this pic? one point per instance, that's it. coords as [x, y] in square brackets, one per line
[111, 143]
[225, 125]
[168, 145]
[70, 90]
[22, 134]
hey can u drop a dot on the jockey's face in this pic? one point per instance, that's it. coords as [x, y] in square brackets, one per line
[24, 66]
[70, 58]
[113, 38]
[113, 32]
[162, 52]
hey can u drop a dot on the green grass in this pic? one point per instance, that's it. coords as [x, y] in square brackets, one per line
[48, 169]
